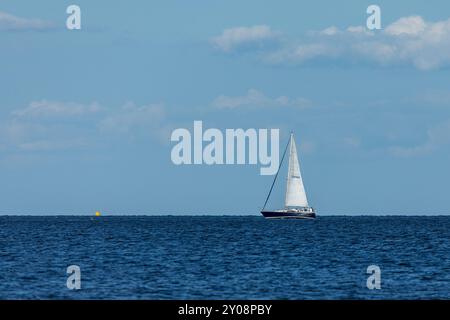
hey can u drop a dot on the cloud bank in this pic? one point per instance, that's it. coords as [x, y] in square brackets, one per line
[243, 37]
[408, 41]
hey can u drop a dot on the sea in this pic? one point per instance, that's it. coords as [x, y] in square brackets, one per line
[225, 257]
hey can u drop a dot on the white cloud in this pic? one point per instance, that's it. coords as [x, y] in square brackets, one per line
[412, 26]
[301, 53]
[359, 30]
[45, 108]
[407, 41]
[10, 22]
[234, 38]
[130, 118]
[255, 98]
[330, 31]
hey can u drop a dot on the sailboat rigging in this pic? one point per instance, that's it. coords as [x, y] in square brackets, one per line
[295, 202]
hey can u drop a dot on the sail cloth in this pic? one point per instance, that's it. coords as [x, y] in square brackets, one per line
[295, 191]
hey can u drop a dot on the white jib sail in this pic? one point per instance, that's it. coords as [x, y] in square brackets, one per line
[295, 191]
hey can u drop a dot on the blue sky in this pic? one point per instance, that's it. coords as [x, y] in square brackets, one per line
[86, 115]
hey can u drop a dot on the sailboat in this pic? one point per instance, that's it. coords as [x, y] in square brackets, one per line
[295, 201]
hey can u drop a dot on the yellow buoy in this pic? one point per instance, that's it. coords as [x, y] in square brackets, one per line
[97, 214]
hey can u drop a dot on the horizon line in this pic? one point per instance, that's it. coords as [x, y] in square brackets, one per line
[217, 215]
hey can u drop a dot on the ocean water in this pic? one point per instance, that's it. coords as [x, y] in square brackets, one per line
[224, 257]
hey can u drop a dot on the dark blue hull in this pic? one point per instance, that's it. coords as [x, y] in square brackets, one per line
[288, 215]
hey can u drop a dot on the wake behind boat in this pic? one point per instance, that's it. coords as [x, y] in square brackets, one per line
[295, 203]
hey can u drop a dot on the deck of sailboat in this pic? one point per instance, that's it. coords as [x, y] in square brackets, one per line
[278, 214]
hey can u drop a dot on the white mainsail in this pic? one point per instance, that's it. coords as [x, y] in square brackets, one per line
[295, 191]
